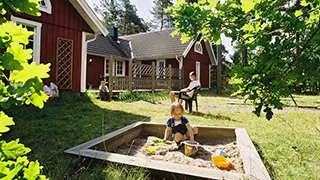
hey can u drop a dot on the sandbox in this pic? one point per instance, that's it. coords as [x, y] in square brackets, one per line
[125, 146]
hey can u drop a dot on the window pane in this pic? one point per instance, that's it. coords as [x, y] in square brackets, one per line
[30, 45]
[107, 67]
[42, 3]
[119, 67]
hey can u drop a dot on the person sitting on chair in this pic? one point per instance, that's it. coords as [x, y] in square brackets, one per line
[103, 91]
[186, 91]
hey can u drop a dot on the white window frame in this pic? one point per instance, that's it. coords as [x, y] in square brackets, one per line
[198, 70]
[106, 61]
[158, 65]
[47, 8]
[37, 36]
[198, 43]
[123, 68]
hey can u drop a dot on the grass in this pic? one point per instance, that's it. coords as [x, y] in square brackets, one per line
[289, 143]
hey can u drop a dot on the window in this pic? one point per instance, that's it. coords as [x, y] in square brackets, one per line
[45, 6]
[106, 72]
[35, 39]
[161, 64]
[198, 70]
[120, 70]
[198, 48]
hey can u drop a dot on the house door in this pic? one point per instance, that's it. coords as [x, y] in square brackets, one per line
[198, 70]
[64, 63]
[161, 64]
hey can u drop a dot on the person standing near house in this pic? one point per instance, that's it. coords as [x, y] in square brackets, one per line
[103, 91]
[186, 91]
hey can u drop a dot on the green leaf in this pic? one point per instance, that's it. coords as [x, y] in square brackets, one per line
[3, 12]
[304, 3]
[298, 13]
[30, 71]
[174, 33]
[19, 53]
[247, 5]
[9, 63]
[248, 27]
[18, 33]
[33, 171]
[37, 99]
[13, 149]
[269, 112]
[4, 122]
[184, 38]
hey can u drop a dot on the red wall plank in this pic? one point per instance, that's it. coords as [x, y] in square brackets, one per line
[65, 22]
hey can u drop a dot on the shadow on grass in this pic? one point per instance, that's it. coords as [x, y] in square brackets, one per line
[63, 123]
[266, 163]
[218, 116]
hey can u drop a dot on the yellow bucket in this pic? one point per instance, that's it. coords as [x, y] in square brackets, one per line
[190, 149]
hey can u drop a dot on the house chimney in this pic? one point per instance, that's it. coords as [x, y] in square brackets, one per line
[114, 33]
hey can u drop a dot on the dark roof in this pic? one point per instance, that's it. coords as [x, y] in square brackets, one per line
[106, 46]
[158, 44]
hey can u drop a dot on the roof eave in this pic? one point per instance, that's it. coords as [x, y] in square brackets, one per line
[89, 16]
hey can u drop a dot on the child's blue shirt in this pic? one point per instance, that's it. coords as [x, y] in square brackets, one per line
[172, 123]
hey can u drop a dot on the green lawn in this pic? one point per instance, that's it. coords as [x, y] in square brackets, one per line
[289, 143]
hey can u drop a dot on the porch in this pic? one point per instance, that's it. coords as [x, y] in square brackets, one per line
[143, 77]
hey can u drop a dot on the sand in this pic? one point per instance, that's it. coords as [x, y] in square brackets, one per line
[170, 152]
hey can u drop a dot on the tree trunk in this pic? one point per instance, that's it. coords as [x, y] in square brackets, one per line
[244, 57]
[162, 21]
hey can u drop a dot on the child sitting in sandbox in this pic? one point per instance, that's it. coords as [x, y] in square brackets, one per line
[179, 125]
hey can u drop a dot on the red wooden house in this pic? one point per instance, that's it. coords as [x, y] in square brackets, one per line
[163, 49]
[61, 39]
[157, 47]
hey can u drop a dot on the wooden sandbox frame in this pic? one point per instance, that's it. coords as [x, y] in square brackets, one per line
[253, 165]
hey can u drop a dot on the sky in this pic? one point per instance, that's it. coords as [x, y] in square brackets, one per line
[144, 7]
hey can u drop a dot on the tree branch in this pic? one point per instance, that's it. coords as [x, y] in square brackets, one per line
[301, 51]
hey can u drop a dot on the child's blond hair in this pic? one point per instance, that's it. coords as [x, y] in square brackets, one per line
[174, 106]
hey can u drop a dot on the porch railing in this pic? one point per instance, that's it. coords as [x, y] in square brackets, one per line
[144, 76]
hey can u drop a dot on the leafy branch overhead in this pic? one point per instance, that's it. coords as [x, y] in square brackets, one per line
[20, 83]
[280, 36]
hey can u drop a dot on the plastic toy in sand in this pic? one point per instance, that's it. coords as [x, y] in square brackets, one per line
[221, 162]
[220, 152]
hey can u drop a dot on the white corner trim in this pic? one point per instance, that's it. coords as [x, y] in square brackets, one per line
[83, 63]
[198, 70]
[185, 53]
[37, 37]
[47, 8]
[84, 60]
[131, 50]
[197, 44]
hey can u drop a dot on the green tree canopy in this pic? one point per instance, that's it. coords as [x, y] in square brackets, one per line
[20, 83]
[161, 18]
[121, 14]
[277, 33]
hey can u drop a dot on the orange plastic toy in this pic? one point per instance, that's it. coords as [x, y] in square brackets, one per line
[221, 162]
